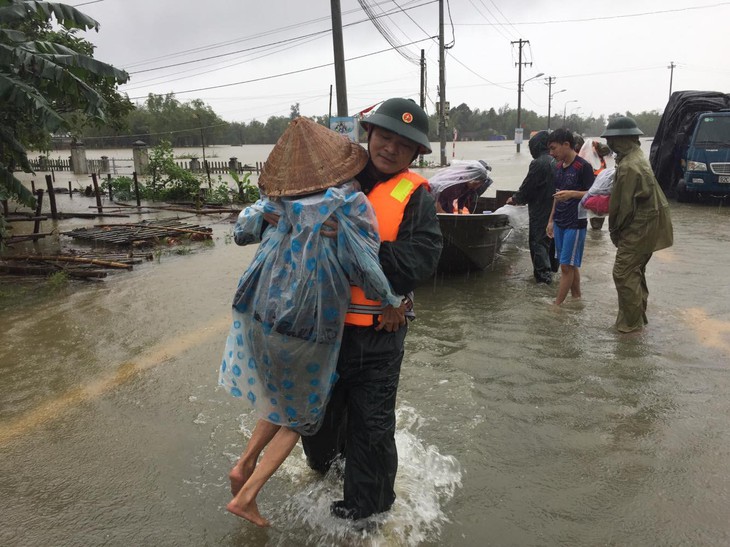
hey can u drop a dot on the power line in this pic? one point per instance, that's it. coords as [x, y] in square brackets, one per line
[284, 73]
[602, 18]
[280, 42]
[166, 81]
[385, 32]
[475, 74]
[503, 16]
[496, 19]
[237, 40]
[497, 26]
[86, 3]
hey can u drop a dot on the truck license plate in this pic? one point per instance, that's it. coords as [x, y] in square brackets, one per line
[725, 179]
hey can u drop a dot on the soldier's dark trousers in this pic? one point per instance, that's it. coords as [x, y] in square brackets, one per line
[359, 422]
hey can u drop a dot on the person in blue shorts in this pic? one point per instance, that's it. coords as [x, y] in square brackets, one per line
[567, 224]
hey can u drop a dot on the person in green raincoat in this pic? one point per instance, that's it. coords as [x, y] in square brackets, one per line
[638, 222]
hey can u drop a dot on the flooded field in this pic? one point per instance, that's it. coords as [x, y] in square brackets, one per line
[518, 423]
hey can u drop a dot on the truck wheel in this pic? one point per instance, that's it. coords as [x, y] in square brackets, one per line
[684, 195]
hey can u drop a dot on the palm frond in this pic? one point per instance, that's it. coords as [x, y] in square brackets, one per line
[67, 16]
[14, 188]
[16, 92]
[15, 148]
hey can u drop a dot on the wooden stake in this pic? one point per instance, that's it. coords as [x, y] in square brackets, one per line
[96, 191]
[136, 187]
[51, 197]
[39, 206]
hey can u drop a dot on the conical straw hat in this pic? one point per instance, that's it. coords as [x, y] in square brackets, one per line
[308, 158]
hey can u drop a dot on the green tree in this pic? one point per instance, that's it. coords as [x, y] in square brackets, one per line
[48, 81]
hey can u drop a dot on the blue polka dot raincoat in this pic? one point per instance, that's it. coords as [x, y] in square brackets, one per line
[289, 309]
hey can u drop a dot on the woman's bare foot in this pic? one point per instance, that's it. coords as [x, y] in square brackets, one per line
[248, 511]
[240, 474]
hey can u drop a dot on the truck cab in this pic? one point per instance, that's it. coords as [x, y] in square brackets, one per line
[705, 159]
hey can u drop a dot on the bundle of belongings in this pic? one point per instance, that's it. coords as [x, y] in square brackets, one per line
[597, 198]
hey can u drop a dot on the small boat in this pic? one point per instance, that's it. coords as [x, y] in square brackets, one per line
[471, 241]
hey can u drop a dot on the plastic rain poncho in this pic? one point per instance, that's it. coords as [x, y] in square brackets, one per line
[461, 172]
[588, 153]
[289, 309]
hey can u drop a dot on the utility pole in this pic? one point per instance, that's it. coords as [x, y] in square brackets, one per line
[671, 76]
[442, 85]
[519, 63]
[423, 79]
[340, 80]
[549, 81]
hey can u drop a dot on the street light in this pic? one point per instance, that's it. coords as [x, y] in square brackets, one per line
[550, 102]
[533, 78]
[520, 86]
[565, 108]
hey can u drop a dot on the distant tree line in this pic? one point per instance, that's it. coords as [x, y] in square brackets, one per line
[194, 123]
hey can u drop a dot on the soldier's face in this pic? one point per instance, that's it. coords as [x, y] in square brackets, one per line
[389, 152]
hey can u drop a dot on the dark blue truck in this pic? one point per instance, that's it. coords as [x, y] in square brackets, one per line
[690, 154]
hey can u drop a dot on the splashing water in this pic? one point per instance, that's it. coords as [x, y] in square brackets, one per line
[426, 481]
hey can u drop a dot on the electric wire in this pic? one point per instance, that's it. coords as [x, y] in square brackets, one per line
[138, 85]
[289, 73]
[604, 17]
[265, 33]
[501, 25]
[503, 17]
[386, 33]
[497, 27]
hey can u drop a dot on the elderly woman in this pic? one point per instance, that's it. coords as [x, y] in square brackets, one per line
[457, 188]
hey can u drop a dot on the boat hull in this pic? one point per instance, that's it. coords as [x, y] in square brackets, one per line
[471, 242]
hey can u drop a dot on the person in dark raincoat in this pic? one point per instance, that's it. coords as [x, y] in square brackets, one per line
[537, 192]
[638, 221]
[359, 421]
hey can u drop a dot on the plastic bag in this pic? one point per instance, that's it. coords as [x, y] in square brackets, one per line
[602, 186]
[518, 215]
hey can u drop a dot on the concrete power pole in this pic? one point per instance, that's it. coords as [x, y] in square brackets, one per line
[671, 76]
[340, 80]
[519, 63]
[549, 81]
[442, 85]
[423, 79]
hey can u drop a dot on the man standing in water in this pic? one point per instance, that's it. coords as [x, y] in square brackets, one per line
[638, 222]
[537, 192]
[573, 177]
[360, 418]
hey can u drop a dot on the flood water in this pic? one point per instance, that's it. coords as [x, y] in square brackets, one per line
[518, 423]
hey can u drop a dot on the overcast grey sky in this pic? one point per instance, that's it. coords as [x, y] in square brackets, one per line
[609, 57]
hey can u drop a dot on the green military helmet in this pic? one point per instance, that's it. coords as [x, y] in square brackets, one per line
[622, 127]
[405, 118]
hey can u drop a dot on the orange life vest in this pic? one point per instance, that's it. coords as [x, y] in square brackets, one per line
[389, 200]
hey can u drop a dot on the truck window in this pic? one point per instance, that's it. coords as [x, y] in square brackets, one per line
[713, 130]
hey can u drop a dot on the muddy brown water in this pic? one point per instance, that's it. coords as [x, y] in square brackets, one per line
[518, 424]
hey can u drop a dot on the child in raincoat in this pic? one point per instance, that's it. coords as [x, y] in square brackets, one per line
[290, 305]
